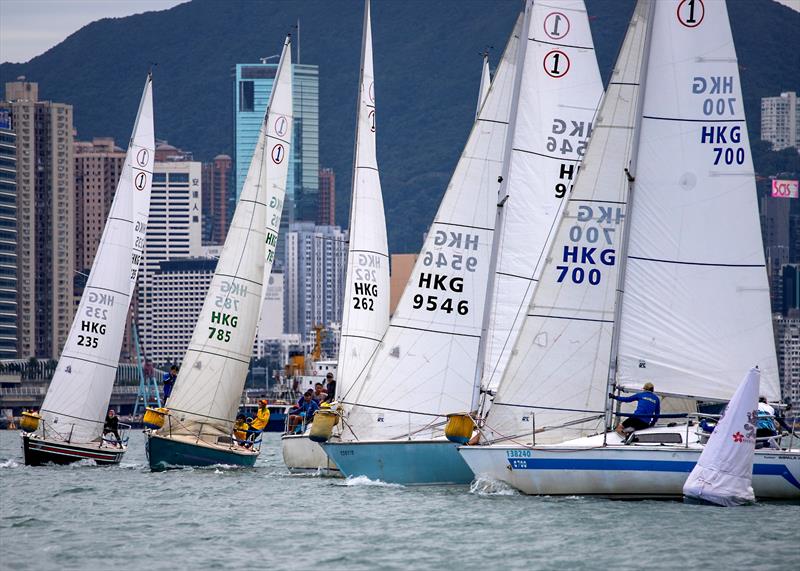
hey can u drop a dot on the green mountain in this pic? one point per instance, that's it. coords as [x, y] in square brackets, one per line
[427, 76]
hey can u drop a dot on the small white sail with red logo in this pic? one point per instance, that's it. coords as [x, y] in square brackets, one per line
[724, 473]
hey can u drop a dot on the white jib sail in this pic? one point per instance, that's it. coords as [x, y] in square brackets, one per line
[696, 308]
[557, 374]
[366, 301]
[486, 81]
[206, 395]
[77, 399]
[724, 473]
[560, 91]
[427, 360]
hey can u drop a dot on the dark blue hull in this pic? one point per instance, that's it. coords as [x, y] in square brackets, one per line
[164, 453]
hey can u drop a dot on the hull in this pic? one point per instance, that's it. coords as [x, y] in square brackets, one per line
[303, 456]
[621, 471]
[173, 452]
[424, 462]
[38, 451]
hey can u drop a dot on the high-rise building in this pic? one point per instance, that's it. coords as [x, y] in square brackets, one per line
[45, 219]
[787, 343]
[326, 204]
[776, 233]
[314, 278]
[216, 196]
[790, 289]
[173, 232]
[98, 167]
[252, 88]
[8, 237]
[780, 120]
[178, 288]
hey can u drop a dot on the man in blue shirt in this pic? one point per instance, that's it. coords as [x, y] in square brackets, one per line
[648, 409]
[169, 381]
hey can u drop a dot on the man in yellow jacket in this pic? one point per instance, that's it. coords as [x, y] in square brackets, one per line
[261, 420]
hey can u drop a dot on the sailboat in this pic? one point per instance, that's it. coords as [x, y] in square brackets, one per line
[656, 274]
[196, 425]
[529, 136]
[366, 308]
[71, 421]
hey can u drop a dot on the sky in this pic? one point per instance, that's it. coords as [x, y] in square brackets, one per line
[29, 28]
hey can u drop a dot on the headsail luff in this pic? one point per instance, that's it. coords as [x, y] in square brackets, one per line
[366, 300]
[560, 92]
[560, 360]
[78, 396]
[696, 308]
[426, 362]
[206, 395]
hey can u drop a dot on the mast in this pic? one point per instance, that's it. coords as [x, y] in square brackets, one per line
[630, 172]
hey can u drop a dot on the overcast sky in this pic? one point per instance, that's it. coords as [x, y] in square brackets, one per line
[29, 28]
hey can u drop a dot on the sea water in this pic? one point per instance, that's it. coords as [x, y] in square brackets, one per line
[125, 517]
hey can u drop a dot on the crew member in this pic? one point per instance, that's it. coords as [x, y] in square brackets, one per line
[111, 426]
[260, 422]
[169, 381]
[331, 387]
[648, 409]
[240, 429]
[305, 410]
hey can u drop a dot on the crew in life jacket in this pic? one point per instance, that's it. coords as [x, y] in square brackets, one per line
[648, 409]
[240, 429]
[260, 421]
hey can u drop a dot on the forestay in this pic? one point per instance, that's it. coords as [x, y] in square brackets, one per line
[206, 395]
[696, 308]
[427, 360]
[366, 301]
[77, 399]
[559, 94]
[724, 473]
[557, 373]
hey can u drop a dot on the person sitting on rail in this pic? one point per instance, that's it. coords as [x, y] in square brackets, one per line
[240, 429]
[648, 409]
[331, 388]
[304, 412]
[766, 426]
[260, 422]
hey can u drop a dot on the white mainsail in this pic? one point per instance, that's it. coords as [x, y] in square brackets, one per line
[724, 473]
[696, 308]
[559, 366]
[366, 301]
[78, 396]
[486, 81]
[206, 395]
[559, 94]
[426, 362]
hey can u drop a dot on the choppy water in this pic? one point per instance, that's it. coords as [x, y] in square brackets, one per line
[125, 517]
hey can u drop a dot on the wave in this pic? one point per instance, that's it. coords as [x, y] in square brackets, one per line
[483, 486]
[10, 463]
[363, 481]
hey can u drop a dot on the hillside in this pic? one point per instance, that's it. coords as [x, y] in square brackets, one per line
[427, 74]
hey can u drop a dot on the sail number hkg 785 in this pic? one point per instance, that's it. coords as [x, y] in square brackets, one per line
[222, 323]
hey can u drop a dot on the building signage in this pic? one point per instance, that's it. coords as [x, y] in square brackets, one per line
[784, 188]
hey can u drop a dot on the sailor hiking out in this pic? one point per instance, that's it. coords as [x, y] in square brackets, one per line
[648, 409]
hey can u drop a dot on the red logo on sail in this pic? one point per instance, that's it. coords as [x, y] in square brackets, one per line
[738, 437]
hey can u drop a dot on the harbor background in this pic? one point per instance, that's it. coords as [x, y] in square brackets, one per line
[125, 517]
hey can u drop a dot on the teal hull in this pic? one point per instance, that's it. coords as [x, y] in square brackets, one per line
[164, 453]
[409, 463]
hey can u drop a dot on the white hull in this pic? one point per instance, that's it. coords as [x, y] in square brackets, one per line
[302, 455]
[586, 467]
